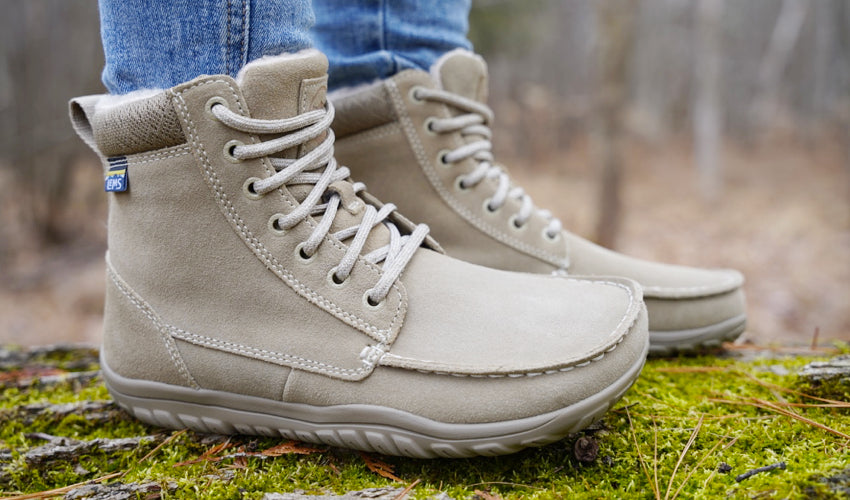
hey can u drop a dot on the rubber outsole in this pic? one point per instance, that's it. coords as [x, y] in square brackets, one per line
[669, 343]
[362, 427]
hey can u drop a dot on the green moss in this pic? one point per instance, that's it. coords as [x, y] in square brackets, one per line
[652, 424]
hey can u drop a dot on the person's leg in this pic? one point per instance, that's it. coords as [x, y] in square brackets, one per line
[161, 44]
[368, 40]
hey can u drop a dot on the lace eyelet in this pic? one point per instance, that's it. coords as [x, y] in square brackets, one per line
[274, 225]
[551, 238]
[429, 125]
[212, 101]
[371, 304]
[248, 189]
[229, 150]
[305, 259]
[441, 158]
[514, 224]
[335, 281]
[489, 209]
[414, 94]
[459, 184]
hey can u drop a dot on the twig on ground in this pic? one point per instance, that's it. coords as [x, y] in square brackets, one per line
[682, 457]
[640, 455]
[840, 404]
[750, 473]
[65, 489]
[405, 491]
[767, 405]
[167, 440]
[695, 467]
[655, 455]
[691, 369]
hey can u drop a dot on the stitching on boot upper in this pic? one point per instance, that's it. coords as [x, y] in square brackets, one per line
[422, 158]
[162, 154]
[389, 357]
[170, 332]
[264, 254]
[154, 318]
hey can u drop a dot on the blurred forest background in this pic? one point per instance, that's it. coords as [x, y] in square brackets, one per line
[704, 132]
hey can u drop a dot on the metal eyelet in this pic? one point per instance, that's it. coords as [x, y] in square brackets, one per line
[370, 304]
[514, 224]
[299, 252]
[274, 224]
[459, 184]
[248, 189]
[335, 281]
[413, 94]
[229, 148]
[488, 208]
[441, 158]
[429, 125]
[548, 237]
[212, 101]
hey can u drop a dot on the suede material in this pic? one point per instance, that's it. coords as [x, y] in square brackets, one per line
[132, 342]
[400, 160]
[236, 374]
[570, 321]
[208, 294]
[160, 234]
[272, 87]
[454, 399]
[372, 111]
[464, 73]
[283, 87]
[658, 280]
[425, 190]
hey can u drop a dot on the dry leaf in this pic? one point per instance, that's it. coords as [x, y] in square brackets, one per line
[290, 447]
[380, 468]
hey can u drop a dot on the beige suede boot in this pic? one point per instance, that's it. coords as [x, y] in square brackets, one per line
[253, 288]
[424, 140]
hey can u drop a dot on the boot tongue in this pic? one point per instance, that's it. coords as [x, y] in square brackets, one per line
[285, 86]
[462, 72]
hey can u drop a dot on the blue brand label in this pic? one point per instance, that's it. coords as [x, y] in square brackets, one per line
[116, 179]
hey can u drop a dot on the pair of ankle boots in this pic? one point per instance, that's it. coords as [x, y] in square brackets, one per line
[254, 287]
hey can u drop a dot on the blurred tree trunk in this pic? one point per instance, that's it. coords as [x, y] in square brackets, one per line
[615, 34]
[782, 42]
[708, 119]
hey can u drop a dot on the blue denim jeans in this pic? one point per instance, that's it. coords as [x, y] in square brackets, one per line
[159, 43]
[367, 40]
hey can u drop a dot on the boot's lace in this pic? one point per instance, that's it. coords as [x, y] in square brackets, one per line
[319, 169]
[475, 124]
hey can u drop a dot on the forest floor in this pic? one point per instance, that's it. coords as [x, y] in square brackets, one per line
[701, 427]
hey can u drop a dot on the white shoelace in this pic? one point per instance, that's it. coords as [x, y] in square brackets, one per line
[319, 169]
[475, 123]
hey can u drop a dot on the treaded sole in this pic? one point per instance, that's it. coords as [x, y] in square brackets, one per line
[669, 343]
[362, 427]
